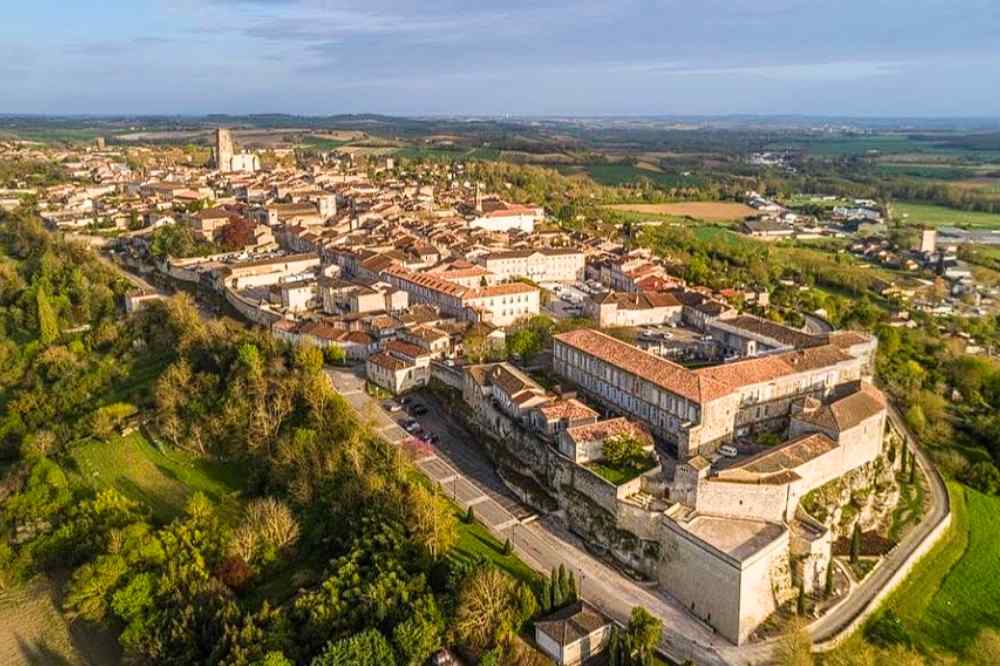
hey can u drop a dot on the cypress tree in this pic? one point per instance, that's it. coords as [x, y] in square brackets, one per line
[856, 543]
[563, 585]
[828, 584]
[546, 596]
[556, 594]
[614, 648]
[800, 603]
[470, 515]
[913, 469]
[571, 595]
[507, 548]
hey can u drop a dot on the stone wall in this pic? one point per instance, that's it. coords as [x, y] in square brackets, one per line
[744, 500]
[251, 310]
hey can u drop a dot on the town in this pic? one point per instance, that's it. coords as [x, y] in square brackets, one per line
[420, 281]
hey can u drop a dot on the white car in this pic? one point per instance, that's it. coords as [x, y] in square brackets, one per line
[729, 450]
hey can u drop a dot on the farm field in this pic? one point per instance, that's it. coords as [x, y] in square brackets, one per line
[721, 211]
[164, 481]
[953, 592]
[33, 631]
[941, 216]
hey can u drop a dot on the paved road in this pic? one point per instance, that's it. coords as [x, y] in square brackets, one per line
[816, 326]
[463, 471]
[829, 626]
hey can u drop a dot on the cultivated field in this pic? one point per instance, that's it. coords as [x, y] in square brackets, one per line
[720, 211]
[163, 481]
[33, 632]
[941, 216]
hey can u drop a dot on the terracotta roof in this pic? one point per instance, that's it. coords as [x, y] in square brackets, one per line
[502, 290]
[781, 459]
[404, 348]
[766, 368]
[665, 374]
[388, 362]
[847, 339]
[600, 431]
[571, 409]
[849, 411]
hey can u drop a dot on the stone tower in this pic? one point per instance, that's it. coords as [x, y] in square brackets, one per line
[223, 150]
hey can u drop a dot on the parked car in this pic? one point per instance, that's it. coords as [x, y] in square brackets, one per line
[393, 406]
[433, 439]
[411, 426]
[407, 400]
[729, 450]
[418, 410]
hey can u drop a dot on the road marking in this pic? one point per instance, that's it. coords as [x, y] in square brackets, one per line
[426, 459]
[478, 500]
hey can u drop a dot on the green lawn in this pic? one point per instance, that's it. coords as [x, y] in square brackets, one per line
[618, 475]
[162, 480]
[941, 216]
[475, 541]
[954, 591]
[968, 598]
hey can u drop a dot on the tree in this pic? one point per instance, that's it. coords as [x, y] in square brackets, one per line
[641, 637]
[470, 515]
[421, 634]
[486, 611]
[432, 521]
[546, 595]
[828, 583]
[800, 602]
[48, 321]
[369, 648]
[856, 543]
[623, 451]
[237, 234]
[571, 594]
[106, 419]
[985, 650]
[507, 548]
[916, 419]
[795, 647]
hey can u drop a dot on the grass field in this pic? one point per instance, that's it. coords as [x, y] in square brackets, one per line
[33, 631]
[164, 481]
[476, 541]
[716, 211]
[954, 591]
[938, 216]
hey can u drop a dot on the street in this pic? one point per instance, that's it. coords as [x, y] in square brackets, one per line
[466, 474]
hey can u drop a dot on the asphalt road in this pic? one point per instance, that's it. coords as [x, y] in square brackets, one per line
[830, 625]
[459, 465]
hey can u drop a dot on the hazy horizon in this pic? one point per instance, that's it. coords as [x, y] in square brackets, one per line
[875, 59]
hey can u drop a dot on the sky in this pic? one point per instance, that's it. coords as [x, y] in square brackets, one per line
[463, 57]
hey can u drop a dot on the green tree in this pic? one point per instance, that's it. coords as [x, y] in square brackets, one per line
[421, 634]
[368, 648]
[642, 635]
[856, 543]
[48, 321]
[623, 451]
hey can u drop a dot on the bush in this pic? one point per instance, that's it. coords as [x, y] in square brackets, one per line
[886, 630]
[983, 476]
